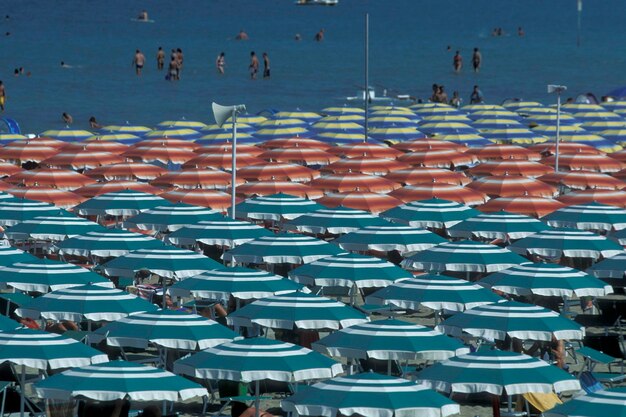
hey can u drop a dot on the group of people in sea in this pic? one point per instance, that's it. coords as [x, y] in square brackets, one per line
[439, 95]
[457, 60]
[496, 32]
[175, 66]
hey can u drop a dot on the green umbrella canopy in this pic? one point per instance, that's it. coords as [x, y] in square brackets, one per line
[10, 255]
[43, 275]
[606, 402]
[497, 372]
[7, 324]
[168, 261]
[390, 339]
[371, 395]
[119, 380]
[57, 226]
[619, 237]
[592, 216]
[257, 358]
[613, 267]
[547, 280]
[171, 217]
[388, 238]
[107, 243]
[276, 207]
[466, 255]
[165, 328]
[120, 203]
[513, 319]
[241, 283]
[16, 210]
[335, 221]
[437, 292]
[297, 310]
[434, 213]
[499, 225]
[226, 232]
[348, 270]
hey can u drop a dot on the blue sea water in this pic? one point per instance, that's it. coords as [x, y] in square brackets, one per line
[408, 40]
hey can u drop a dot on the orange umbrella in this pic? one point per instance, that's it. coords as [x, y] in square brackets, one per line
[168, 142]
[610, 197]
[242, 149]
[25, 151]
[360, 200]
[363, 149]
[5, 186]
[372, 166]
[195, 178]
[354, 181]
[425, 144]
[583, 180]
[59, 198]
[620, 156]
[619, 174]
[263, 188]
[277, 171]
[40, 141]
[510, 167]
[126, 171]
[302, 156]
[485, 153]
[529, 206]
[159, 153]
[98, 146]
[442, 191]
[221, 161]
[82, 159]
[98, 188]
[7, 169]
[587, 162]
[564, 148]
[512, 186]
[217, 200]
[419, 175]
[438, 158]
[63, 179]
[294, 142]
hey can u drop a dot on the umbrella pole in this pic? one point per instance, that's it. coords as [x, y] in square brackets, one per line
[22, 393]
[495, 405]
[257, 400]
[389, 366]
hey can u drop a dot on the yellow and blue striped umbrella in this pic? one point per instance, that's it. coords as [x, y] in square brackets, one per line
[9, 137]
[307, 116]
[182, 133]
[598, 116]
[489, 123]
[227, 127]
[132, 129]
[467, 139]
[550, 130]
[439, 110]
[518, 104]
[395, 134]
[551, 119]
[340, 137]
[242, 137]
[600, 126]
[249, 119]
[472, 108]
[337, 111]
[591, 139]
[336, 126]
[494, 114]
[115, 137]
[446, 128]
[280, 123]
[514, 135]
[429, 105]
[67, 134]
[581, 107]
[615, 135]
[189, 124]
[614, 105]
[534, 110]
[387, 120]
[357, 118]
[270, 133]
[446, 117]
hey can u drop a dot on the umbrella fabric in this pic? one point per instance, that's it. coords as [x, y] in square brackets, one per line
[369, 394]
[364, 165]
[513, 319]
[195, 178]
[352, 181]
[58, 178]
[606, 402]
[466, 255]
[510, 167]
[357, 150]
[302, 156]
[497, 372]
[549, 280]
[574, 162]
[25, 151]
[593, 216]
[165, 328]
[438, 158]
[59, 198]
[119, 380]
[126, 171]
[512, 186]
[83, 159]
[610, 197]
[388, 238]
[171, 217]
[299, 310]
[10, 255]
[241, 283]
[255, 359]
[276, 207]
[277, 171]
[335, 221]
[390, 339]
[127, 128]
[108, 243]
[121, 203]
[88, 302]
[613, 267]
[419, 175]
[216, 200]
[504, 152]
[499, 225]
[67, 134]
[43, 275]
[55, 227]
[349, 270]
[360, 200]
[7, 324]
[582, 180]
[159, 154]
[264, 188]
[168, 262]
[451, 192]
[227, 232]
[555, 243]
[434, 213]
[112, 186]
[437, 292]
[282, 248]
[530, 206]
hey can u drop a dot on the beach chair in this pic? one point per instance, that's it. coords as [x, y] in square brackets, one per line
[594, 357]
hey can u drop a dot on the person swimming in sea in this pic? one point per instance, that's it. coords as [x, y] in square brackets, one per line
[242, 36]
[143, 15]
[67, 118]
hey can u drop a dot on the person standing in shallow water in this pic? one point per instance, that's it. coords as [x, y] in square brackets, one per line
[254, 65]
[3, 96]
[139, 60]
[160, 58]
[266, 65]
[220, 62]
[477, 60]
[457, 62]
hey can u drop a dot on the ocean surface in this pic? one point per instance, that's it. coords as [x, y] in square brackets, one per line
[408, 53]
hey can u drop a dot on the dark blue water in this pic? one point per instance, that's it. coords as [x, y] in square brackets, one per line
[407, 49]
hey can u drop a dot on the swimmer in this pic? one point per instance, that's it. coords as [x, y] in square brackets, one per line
[254, 65]
[160, 58]
[93, 123]
[266, 65]
[242, 36]
[477, 96]
[520, 32]
[319, 36]
[220, 62]
[143, 15]
[455, 101]
[138, 61]
[172, 70]
[457, 62]
[298, 37]
[477, 59]
[3, 96]
[67, 118]
[64, 65]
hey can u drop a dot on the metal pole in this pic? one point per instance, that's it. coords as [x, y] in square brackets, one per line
[367, 75]
[234, 165]
[580, 12]
[22, 390]
[558, 130]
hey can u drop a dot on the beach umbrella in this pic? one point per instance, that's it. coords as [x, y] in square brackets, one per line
[55, 227]
[525, 205]
[126, 171]
[450, 192]
[438, 158]
[548, 280]
[67, 134]
[592, 216]
[28, 150]
[266, 188]
[114, 186]
[227, 128]
[514, 135]
[282, 248]
[334, 221]
[546, 120]
[394, 133]
[171, 217]
[418, 175]
[121, 203]
[195, 178]
[173, 143]
[297, 310]
[9, 137]
[349, 270]
[496, 122]
[227, 232]
[365, 165]
[467, 256]
[119, 141]
[119, 380]
[295, 142]
[226, 148]
[516, 105]
[280, 132]
[7, 169]
[127, 128]
[175, 133]
[213, 199]
[191, 124]
[340, 137]
[10, 255]
[95, 144]
[499, 225]
[342, 110]
[360, 200]
[59, 198]
[611, 401]
[565, 148]
[275, 207]
[107, 243]
[499, 152]
[388, 238]
[16, 210]
[358, 150]
[512, 186]
[577, 162]
[353, 181]
[307, 116]
[614, 134]
[62, 179]
[582, 180]
[466, 139]
[371, 395]
[555, 243]
[447, 128]
[427, 143]
[510, 167]
[159, 153]
[44, 275]
[437, 292]
[383, 120]
[336, 126]
[613, 267]
[81, 160]
[609, 197]
[434, 213]
[250, 119]
[282, 122]
[302, 156]
[167, 262]
[445, 117]
[221, 161]
[277, 171]
[85, 302]
[582, 107]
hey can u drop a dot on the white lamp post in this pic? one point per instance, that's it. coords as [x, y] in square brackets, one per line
[558, 89]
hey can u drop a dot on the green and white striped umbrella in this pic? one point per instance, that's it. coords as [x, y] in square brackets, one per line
[85, 302]
[108, 243]
[55, 227]
[282, 248]
[497, 372]
[520, 320]
[546, 279]
[606, 402]
[7, 324]
[390, 339]
[241, 283]
[592, 216]
[16, 210]
[335, 221]
[275, 207]
[466, 255]
[258, 358]
[10, 255]
[120, 203]
[613, 267]
[44, 275]
[555, 243]
[619, 237]
[349, 270]
[119, 380]
[299, 310]
[499, 225]
[434, 213]
[226, 232]
[171, 217]
[168, 262]
[165, 328]
[388, 238]
[437, 292]
[371, 395]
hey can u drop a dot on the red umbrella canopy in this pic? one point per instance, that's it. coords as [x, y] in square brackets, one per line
[7, 169]
[425, 144]
[582, 180]
[63, 179]
[372, 166]
[529, 206]
[217, 200]
[159, 153]
[168, 142]
[277, 172]
[294, 143]
[126, 171]
[98, 188]
[442, 191]
[419, 175]
[219, 148]
[489, 152]
[363, 149]
[512, 186]
[221, 161]
[510, 167]
[586, 162]
[59, 198]
[82, 159]
[263, 188]
[98, 146]
[302, 156]
[438, 158]
[547, 149]
[360, 200]
[26, 151]
[195, 178]
[610, 197]
[354, 181]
